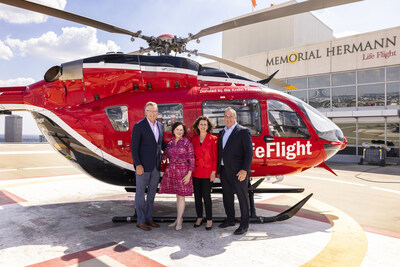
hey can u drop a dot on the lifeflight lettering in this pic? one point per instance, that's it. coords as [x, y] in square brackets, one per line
[280, 149]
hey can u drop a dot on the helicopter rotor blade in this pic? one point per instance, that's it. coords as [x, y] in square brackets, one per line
[270, 14]
[248, 70]
[141, 51]
[69, 16]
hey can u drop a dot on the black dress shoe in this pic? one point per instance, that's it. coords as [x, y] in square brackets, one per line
[197, 225]
[240, 231]
[208, 228]
[226, 224]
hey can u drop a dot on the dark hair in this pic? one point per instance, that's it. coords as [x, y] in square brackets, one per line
[195, 125]
[176, 124]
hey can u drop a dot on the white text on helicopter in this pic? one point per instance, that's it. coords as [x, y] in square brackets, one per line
[280, 149]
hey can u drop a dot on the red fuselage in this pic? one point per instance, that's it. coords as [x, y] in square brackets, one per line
[89, 111]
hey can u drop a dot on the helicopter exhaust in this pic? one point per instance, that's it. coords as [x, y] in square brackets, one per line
[53, 74]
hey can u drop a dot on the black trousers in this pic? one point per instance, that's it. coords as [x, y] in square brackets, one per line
[202, 191]
[230, 186]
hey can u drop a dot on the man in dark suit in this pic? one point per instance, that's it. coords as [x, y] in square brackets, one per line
[147, 143]
[235, 153]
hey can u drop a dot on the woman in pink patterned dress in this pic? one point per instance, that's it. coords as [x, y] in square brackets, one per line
[177, 177]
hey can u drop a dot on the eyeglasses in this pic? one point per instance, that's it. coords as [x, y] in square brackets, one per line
[152, 111]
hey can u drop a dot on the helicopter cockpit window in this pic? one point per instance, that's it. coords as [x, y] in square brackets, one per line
[118, 116]
[283, 121]
[248, 113]
[168, 114]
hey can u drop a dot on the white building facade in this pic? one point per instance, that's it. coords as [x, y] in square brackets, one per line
[355, 80]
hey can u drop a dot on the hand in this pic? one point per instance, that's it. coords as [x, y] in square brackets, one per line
[186, 179]
[139, 169]
[212, 177]
[241, 175]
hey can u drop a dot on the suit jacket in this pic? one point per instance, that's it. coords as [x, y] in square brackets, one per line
[146, 150]
[238, 151]
[206, 156]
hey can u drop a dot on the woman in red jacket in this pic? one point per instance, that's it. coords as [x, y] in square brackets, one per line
[206, 155]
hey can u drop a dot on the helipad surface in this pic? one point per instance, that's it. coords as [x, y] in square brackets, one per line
[52, 215]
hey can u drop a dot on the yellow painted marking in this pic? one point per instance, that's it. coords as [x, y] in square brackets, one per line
[290, 87]
[348, 244]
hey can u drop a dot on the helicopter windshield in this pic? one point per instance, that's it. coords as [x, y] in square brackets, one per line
[324, 127]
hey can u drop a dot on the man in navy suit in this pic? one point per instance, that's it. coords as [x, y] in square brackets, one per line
[147, 143]
[235, 153]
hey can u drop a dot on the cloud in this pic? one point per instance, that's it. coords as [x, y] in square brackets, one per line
[16, 82]
[20, 16]
[73, 43]
[5, 51]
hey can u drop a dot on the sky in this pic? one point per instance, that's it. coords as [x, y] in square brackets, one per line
[31, 43]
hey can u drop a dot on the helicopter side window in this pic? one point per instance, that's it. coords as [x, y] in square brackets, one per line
[168, 114]
[283, 121]
[248, 113]
[118, 116]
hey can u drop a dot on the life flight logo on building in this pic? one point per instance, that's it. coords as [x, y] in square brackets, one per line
[333, 51]
[281, 150]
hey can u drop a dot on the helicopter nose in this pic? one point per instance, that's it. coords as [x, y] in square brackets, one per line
[344, 144]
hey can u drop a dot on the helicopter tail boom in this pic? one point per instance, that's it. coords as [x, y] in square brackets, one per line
[12, 95]
[11, 99]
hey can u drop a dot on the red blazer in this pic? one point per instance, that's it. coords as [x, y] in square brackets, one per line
[206, 156]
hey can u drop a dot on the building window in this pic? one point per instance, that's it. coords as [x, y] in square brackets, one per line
[393, 139]
[299, 83]
[350, 132]
[369, 132]
[371, 95]
[300, 94]
[393, 93]
[343, 97]
[319, 81]
[248, 113]
[371, 76]
[283, 121]
[393, 74]
[319, 98]
[118, 116]
[393, 134]
[168, 114]
[344, 78]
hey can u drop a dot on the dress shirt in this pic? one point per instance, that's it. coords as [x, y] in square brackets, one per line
[226, 137]
[154, 128]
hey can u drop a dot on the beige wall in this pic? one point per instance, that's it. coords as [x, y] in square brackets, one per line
[317, 59]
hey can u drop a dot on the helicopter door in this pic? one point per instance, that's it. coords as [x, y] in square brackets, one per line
[289, 138]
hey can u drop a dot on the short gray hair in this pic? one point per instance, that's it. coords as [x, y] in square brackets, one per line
[150, 104]
[230, 110]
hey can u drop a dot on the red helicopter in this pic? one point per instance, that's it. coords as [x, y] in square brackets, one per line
[86, 108]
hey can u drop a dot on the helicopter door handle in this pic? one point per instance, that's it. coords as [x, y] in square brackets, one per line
[268, 138]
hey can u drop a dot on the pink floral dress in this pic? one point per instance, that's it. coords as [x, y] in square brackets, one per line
[181, 160]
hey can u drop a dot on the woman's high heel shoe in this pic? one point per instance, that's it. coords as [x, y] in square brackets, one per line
[195, 225]
[178, 225]
[172, 224]
[208, 227]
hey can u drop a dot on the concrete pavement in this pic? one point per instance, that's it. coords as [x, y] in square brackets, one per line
[52, 215]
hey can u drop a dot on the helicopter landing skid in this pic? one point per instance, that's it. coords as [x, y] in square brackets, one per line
[287, 214]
